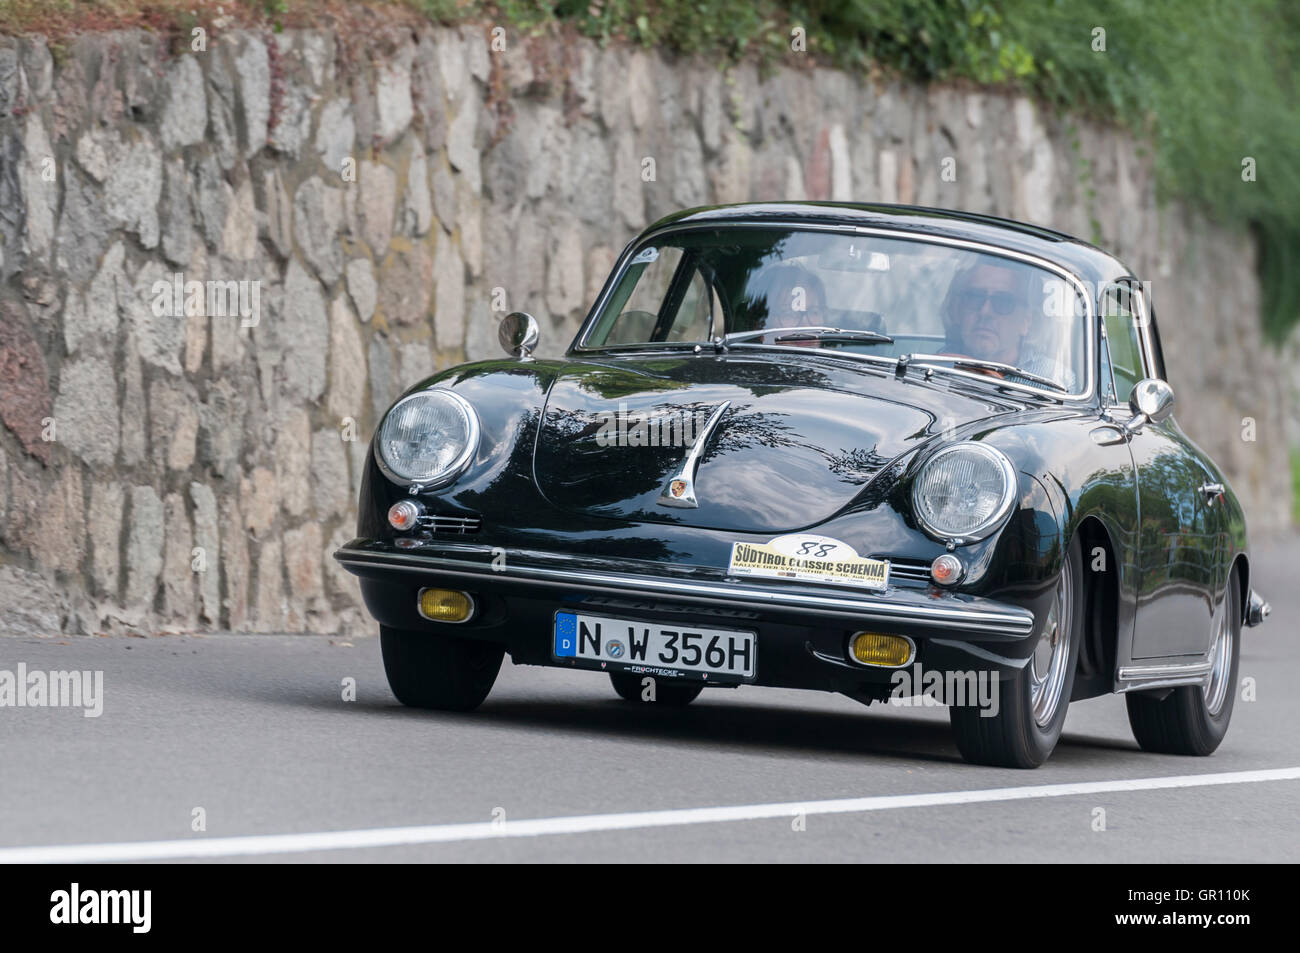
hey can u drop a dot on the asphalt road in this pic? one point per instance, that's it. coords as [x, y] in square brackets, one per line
[255, 732]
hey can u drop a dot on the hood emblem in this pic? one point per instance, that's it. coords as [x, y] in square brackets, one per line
[680, 488]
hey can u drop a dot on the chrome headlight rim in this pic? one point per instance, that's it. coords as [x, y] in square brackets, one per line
[990, 525]
[458, 466]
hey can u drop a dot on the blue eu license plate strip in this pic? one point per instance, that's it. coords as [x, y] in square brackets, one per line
[566, 635]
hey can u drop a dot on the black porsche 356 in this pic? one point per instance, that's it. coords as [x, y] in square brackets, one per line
[875, 450]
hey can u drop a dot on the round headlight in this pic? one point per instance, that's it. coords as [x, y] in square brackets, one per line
[964, 491]
[427, 438]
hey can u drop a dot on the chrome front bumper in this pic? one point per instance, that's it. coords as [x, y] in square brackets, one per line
[476, 567]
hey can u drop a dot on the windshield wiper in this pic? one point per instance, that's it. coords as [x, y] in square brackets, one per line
[811, 334]
[956, 361]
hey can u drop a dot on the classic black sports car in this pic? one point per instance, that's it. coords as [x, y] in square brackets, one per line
[885, 451]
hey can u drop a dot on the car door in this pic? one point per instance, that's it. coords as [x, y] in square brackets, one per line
[1180, 525]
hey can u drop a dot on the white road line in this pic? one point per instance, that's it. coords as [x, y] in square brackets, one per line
[590, 823]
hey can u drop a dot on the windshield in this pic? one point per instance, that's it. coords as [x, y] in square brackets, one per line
[984, 313]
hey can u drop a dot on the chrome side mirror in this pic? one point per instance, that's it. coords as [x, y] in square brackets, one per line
[1151, 401]
[518, 334]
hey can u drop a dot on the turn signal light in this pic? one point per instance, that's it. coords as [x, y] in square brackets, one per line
[888, 651]
[946, 569]
[403, 515]
[445, 605]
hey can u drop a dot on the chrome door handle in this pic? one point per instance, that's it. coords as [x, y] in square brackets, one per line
[1212, 492]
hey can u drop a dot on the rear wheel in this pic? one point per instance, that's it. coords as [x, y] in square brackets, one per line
[643, 689]
[445, 672]
[1193, 720]
[1031, 706]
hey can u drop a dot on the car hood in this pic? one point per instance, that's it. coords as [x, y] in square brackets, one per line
[802, 437]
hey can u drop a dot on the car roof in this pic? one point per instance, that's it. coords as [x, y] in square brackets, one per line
[1086, 261]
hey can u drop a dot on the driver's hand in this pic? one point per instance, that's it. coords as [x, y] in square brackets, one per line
[986, 371]
[771, 338]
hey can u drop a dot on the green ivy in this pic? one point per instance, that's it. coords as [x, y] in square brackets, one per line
[1295, 487]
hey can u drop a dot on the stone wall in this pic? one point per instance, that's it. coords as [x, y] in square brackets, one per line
[173, 471]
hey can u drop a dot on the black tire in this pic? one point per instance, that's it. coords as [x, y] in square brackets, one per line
[1182, 722]
[667, 695]
[445, 672]
[1014, 737]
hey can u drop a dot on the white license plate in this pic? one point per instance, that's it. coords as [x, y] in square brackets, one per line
[628, 645]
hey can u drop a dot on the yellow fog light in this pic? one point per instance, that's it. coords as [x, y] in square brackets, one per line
[888, 651]
[445, 605]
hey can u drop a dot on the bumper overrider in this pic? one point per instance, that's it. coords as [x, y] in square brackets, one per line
[1257, 610]
[803, 630]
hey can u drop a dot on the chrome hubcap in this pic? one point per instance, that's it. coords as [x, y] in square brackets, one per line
[1220, 665]
[1047, 666]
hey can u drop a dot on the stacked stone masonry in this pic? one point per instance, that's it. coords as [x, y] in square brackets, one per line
[192, 471]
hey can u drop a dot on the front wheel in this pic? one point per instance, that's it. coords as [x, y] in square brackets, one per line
[444, 672]
[653, 691]
[1030, 713]
[1192, 720]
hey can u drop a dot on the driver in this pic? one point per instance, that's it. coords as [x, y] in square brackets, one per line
[987, 315]
[796, 298]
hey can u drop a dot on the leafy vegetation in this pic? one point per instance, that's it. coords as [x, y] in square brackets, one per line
[1214, 84]
[1211, 82]
[1295, 487]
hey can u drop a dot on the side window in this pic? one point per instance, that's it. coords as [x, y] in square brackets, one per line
[1123, 339]
[1153, 335]
[647, 281]
[663, 296]
[691, 322]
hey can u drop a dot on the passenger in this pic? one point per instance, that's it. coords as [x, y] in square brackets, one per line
[795, 297]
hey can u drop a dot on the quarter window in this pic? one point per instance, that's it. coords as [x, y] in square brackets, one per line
[644, 289]
[664, 298]
[1124, 340]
